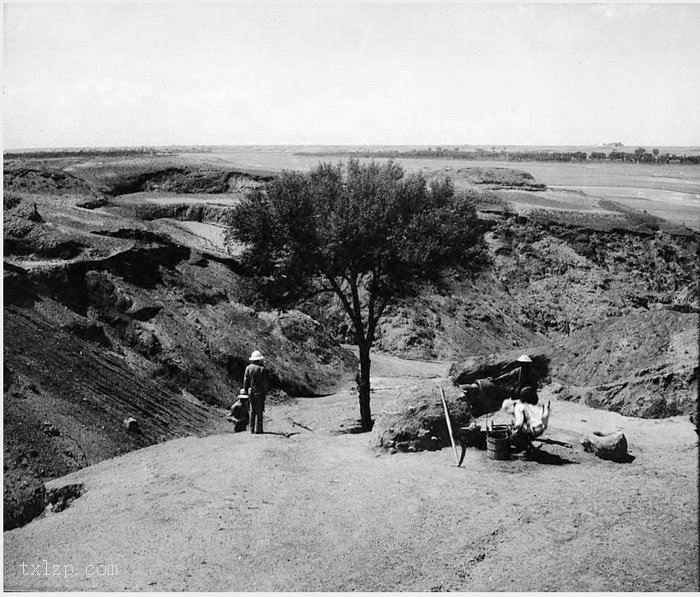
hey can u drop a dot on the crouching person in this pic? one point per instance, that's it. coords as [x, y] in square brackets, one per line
[240, 412]
[256, 385]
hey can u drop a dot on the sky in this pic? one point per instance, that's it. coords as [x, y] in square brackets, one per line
[185, 73]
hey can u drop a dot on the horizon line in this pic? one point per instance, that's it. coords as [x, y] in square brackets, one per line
[609, 145]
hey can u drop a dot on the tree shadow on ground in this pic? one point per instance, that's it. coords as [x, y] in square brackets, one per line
[350, 427]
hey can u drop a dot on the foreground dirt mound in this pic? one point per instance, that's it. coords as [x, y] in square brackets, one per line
[469, 370]
[415, 419]
[641, 365]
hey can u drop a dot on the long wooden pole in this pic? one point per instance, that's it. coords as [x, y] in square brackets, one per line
[449, 425]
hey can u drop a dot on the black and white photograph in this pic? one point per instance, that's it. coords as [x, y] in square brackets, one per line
[351, 297]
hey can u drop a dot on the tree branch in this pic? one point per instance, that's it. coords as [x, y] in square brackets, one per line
[318, 292]
[372, 325]
[341, 295]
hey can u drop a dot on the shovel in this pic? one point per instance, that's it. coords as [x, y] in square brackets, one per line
[449, 426]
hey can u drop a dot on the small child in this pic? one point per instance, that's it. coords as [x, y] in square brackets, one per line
[240, 412]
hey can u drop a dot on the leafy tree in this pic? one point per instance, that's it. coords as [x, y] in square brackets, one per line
[366, 233]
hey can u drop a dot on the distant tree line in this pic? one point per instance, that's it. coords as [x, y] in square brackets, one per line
[638, 156]
[83, 153]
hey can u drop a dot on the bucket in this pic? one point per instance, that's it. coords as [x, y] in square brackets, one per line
[498, 443]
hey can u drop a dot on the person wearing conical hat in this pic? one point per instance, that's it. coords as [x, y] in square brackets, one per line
[522, 381]
[256, 384]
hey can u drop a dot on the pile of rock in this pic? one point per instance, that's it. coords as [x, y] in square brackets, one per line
[415, 419]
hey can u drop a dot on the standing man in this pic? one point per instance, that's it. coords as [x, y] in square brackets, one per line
[256, 385]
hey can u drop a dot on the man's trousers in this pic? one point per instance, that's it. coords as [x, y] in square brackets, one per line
[257, 407]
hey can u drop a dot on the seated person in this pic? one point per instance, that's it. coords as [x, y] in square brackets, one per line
[530, 421]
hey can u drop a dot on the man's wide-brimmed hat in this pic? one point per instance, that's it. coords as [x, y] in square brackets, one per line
[256, 356]
[524, 359]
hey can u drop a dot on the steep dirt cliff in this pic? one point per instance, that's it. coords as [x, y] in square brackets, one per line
[541, 279]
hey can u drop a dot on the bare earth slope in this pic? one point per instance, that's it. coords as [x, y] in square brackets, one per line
[318, 510]
[106, 317]
[643, 365]
[65, 403]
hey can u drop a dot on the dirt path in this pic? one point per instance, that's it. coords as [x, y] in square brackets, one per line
[318, 510]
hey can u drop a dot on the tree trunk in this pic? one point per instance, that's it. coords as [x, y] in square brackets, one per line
[363, 387]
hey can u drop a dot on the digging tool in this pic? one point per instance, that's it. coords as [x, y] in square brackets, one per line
[464, 453]
[282, 433]
[546, 440]
[449, 425]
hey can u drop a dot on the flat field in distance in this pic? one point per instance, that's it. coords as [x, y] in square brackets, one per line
[671, 192]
